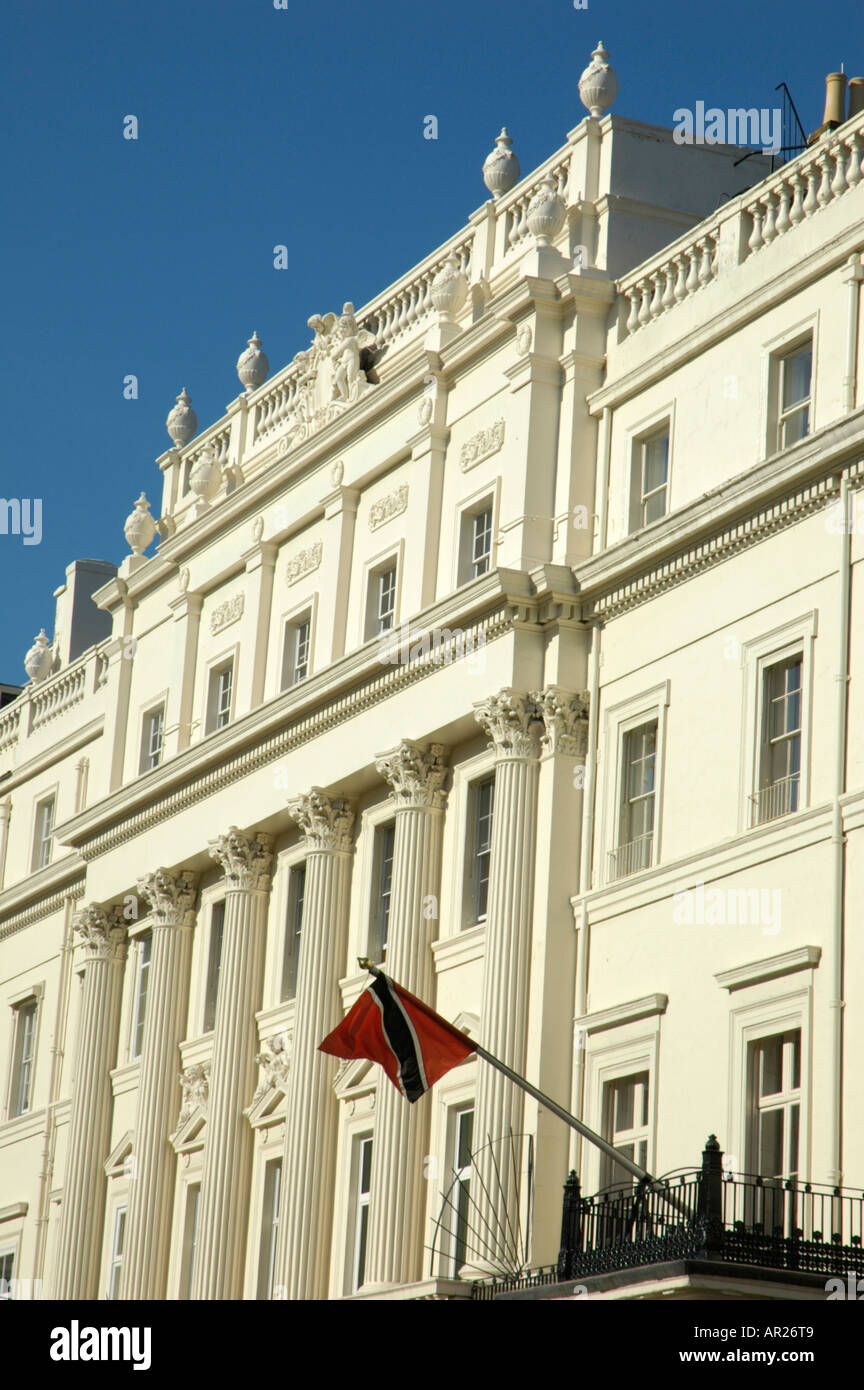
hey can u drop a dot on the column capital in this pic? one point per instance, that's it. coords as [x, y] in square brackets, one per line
[172, 896]
[513, 722]
[326, 821]
[102, 932]
[245, 859]
[415, 772]
[565, 719]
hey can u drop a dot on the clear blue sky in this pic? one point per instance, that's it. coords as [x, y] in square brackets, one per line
[259, 127]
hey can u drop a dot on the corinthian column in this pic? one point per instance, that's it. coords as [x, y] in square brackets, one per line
[145, 1262]
[512, 721]
[225, 1181]
[397, 1198]
[309, 1164]
[104, 937]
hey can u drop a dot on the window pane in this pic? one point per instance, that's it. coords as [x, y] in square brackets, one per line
[797, 369]
[655, 463]
[771, 1143]
[217, 924]
[771, 1075]
[655, 507]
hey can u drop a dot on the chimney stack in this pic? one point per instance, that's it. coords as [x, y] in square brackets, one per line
[856, 96]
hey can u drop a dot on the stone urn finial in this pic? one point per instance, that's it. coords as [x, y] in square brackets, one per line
[449, 289]
[501, 169]
[546, 212]
[182, 422]
[205, 479]
[40, 658]
[253, 365]
[598, 85]
[139, 527]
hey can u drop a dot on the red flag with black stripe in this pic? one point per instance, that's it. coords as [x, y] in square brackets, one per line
[414, 1045]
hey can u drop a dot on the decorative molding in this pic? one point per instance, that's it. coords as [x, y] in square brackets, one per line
[227, 613]
[44, 908]
[326, 821]
[565, 717]
[322, 715]
[460, 949]
[513, 722]
[481, 445]
[244, 859]
[275, 1063]
[623, 1013]
[392, 505]
[416, 774]
[195, 1084]
[14, 1211]
[803, 958]
[304, 562]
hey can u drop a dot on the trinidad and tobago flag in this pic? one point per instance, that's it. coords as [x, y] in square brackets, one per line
[413, 1044]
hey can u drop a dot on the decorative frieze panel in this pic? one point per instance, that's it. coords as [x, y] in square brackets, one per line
[304, 562]
[392, 505]
[481, 446]
[227, 613]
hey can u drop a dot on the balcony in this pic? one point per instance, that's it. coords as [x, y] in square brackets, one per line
[779, 799]
[630, 858]
[765, 1225]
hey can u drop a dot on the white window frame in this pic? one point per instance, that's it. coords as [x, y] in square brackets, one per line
[454, 1092]
[484, 499]
[776, 1009]
[374, 946]
[371, 819]
[610, 1174]
[774, 350]
[620, 719]
[356, 1204]
[637, 434]
[269, 1236]
[393, 556]
[147, 713]
[5, 1252]
[208, 964]
[457, 828]
[286, 860]
[613, 1054]
[757, 655]
[290, 619]
[215, 666]
[141, 965]
[48, 794]
[190, 1230]
[115, 1257]
[471, 880]
[638, 496]
[31, 999]
[289, 919]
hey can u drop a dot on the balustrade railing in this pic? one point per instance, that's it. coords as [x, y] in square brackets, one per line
[10, 722]
[58, 694]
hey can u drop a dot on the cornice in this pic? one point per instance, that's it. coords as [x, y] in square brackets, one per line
[619, 1014]
[757, 971]
[45, 891]
[731, 517]
[269, 732]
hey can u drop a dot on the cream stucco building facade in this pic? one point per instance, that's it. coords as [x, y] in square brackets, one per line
[508, 634]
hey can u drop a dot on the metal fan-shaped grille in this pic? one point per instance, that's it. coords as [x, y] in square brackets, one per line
[484, 1226]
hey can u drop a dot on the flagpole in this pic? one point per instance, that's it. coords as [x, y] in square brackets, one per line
[544, 1100]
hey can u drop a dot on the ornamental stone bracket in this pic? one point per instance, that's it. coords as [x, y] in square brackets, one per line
[416, 773]
[513, 721]
[245, 859]
[326, 821]
[195, 1085]
[565, 719]
[275, 1062]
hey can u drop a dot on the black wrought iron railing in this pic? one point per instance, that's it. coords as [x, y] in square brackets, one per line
[735, 1218]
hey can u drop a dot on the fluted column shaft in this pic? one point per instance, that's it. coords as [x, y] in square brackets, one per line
[398, 1192]
[309, 1163]
[145, 1262]
[104, 938]
[512, 721]
[225, 1181]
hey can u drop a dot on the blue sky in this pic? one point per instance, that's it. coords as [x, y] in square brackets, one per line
[259, 127]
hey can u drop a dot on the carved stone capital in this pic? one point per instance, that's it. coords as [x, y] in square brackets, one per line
[102, 933]
[513, 722]
[416, 774]
[565, 717]
[245, 859]
[326, 821]
[195, 1084]
[171, 896]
